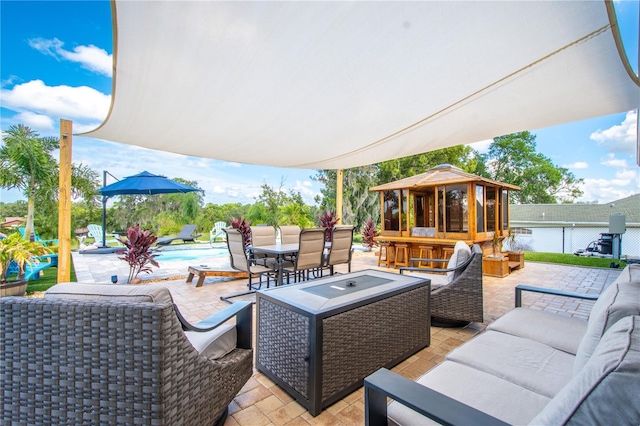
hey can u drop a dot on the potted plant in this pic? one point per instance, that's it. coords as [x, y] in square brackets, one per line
[328, 220]
[515, 253]
[369, 232]
[139, 253]
[244, 226]
[15, 252]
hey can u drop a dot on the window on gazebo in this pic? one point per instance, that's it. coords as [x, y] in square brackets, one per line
[491, 209]
[505, 209]
[479, 208]
[394, 206]
[456, 202]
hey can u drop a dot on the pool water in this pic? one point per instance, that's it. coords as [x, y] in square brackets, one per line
[191, 254]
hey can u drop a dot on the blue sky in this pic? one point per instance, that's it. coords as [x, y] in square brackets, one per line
[56, 60]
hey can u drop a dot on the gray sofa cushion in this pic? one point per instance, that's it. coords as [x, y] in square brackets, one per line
[112, 292]
[607, 388]
[558, 331]
[526, 363]
[480, 390]
[619, 300]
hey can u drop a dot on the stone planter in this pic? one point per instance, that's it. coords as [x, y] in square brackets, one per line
[13, 288]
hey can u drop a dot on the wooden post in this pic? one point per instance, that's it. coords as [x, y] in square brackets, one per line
[339, 191]
[64, 203]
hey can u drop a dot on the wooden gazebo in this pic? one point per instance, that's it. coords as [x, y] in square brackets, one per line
[442, 206]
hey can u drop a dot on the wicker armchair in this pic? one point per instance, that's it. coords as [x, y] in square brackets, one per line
[456, 298]
[83, 355]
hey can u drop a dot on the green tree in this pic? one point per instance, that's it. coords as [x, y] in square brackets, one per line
[513, 159]
[27, 164]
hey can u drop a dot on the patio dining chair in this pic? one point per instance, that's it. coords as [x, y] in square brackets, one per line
[456, 291]
[240, 260]
[119, 354]
[310, 254]
[289, 234]
[341, 247]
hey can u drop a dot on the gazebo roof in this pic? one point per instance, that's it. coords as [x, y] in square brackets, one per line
[444, 174]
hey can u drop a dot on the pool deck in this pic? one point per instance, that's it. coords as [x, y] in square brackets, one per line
[262, 402]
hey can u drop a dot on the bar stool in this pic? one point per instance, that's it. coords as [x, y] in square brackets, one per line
[384, 258]
[447, 252]
[425, 252]
[402, 249]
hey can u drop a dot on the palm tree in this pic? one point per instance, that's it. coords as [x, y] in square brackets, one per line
[26, 163]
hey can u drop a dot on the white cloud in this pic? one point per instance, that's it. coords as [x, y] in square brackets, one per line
[89, 57]
[612, 161]
[604, 191]
[34, 121]
[577, 165]
[626, 174]
[57, 101]
[619, 138]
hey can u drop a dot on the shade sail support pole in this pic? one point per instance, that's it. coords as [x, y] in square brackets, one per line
[339, 193]
[64, 202]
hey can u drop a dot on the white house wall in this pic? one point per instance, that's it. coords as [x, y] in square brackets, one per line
[569, 239]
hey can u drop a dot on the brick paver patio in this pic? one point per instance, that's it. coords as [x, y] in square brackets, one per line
[261, 402]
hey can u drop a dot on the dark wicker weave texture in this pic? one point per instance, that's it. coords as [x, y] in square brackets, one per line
[358, 342]
[461, 300]
[86, 362]
[283, 346]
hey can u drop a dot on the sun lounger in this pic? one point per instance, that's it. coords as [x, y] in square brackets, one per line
[186, 235]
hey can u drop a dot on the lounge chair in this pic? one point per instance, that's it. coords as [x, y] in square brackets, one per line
[95, 232]
[456, 298]
[119, 354]
[32, 270]
[186, 235]
[46, 243]
[217, 232]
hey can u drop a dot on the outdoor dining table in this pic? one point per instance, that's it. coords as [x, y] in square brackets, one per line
[280, 251]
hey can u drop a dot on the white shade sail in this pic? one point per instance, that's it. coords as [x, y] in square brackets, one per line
[343, 84]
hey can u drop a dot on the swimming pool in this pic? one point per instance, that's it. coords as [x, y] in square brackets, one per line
[192, 254]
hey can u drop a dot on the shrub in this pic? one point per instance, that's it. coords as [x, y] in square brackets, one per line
[328, 220]
[369, 232]
[139, 253]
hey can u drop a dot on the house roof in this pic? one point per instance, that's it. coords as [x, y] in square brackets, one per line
[444, 174]
[335, 85]
[12, 221]
[577, 213]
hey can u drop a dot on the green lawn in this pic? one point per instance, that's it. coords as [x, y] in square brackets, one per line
[571, 259]
[48, 279]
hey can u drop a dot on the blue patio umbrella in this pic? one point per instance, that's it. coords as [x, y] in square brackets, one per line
[144, 183]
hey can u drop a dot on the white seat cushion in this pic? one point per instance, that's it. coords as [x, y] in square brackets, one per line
[216, 343]
[526, 363]
[558, 331]
[482, 391]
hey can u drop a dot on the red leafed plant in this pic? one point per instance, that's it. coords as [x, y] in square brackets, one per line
[139, 254]
[369, 232]
[245, 229]
[328, 220]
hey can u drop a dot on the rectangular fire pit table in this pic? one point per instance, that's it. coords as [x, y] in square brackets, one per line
[320, 339]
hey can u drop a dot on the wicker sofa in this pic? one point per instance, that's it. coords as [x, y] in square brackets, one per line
[118, 354]
[530, 367]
